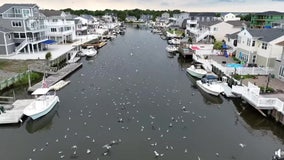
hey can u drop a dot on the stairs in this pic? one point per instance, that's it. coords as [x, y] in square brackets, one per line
[202, 35]
[21, 46]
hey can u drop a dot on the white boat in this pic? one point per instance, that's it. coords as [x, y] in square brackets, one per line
[60, 84]
[42, 104]
[171, 48]
[89, 52]
[278, 155]
[210, 85]
[174, 41]
[196, 71]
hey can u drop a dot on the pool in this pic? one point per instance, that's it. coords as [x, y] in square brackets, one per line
[234, 65]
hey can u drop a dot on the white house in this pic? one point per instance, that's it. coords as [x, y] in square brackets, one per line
[279, 64]
[165, 15]
[131, 19]
[60, 27]
[230, 17]
[258, 46]
[218, 29]
[179, 18]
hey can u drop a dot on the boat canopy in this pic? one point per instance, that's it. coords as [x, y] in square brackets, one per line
[210, 76]
[40, 91]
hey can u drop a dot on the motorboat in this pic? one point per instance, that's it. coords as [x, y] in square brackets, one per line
[210, 85]
[174, 41]
[278, 155]
[90, 51]
[196, 71]
[42, 104]
[171, 48]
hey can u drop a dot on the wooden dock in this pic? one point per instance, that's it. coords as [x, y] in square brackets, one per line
[60, 74]
[15, 114]
[227, 90]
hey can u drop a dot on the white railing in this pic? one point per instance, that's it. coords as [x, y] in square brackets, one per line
[257, 100]
[202, 35]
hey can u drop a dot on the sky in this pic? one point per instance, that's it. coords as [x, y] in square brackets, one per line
[183, 5]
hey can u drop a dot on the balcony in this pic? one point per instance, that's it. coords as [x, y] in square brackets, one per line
[13, 15]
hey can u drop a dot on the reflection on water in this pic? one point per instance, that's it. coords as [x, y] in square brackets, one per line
[43, 123]
[255, 121]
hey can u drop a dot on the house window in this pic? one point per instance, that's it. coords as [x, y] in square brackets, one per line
[53, 30]
[26, 13]
[253, 43]
[248, 42]
[281, 71]
[54, 20]
[22, 35]
[16, 35]
[264, 46]
[16, 24]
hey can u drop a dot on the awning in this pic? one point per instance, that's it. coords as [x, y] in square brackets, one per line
[194, 48]
[49, 41]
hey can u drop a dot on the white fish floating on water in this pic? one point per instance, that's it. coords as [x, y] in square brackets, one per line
[88, 151]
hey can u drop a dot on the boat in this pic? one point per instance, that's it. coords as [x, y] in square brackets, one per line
[171, 48]
[60, 84]
[196, 71]
[174, 41]
[42, 123]
[99, 44]
[90, 51]
[42, 104]
[210, 85]
[278, 155]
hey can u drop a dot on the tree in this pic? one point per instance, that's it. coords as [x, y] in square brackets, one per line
[48, 56]
[218, 45]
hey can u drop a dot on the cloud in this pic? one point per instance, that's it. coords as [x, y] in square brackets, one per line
[232, 0]
[278, 0]
[164, 4]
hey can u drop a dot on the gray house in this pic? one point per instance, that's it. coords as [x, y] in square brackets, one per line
[6, 42]
[279, 65]
[22, 29]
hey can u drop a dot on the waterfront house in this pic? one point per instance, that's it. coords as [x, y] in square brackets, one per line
[230, 17]
[23, 29]
[80, 28]
[279, 64]
[265, 19]
[60, 26]
[145, 18]
[258, 46]
[131, 19]
[218, 29]
[165, 15]
[179, 18]
[278, 24]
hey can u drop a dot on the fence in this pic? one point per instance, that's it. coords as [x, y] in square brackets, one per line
[241, 70]
[8, 82]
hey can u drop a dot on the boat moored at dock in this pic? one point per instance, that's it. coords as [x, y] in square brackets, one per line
[196, 71]
[42, 104]
[210, 85]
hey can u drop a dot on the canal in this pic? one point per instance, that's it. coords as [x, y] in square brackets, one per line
[138, 99]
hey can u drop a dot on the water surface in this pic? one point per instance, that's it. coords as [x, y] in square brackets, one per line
[133, 92]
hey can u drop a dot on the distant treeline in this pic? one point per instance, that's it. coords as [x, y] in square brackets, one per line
[122, 14]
